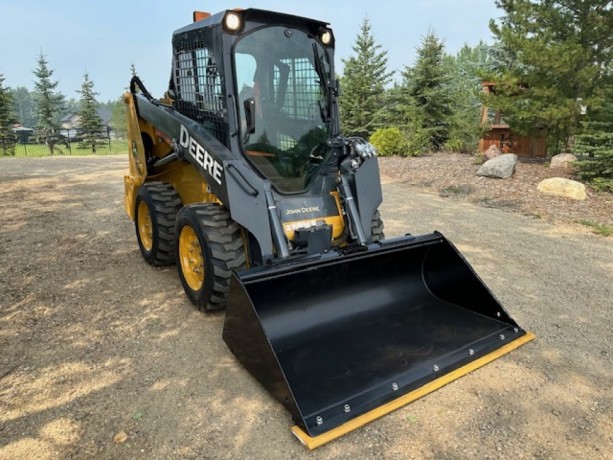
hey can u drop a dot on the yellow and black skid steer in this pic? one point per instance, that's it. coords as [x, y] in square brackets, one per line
[241, 176]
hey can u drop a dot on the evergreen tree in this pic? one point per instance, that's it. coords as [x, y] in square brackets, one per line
[363, 85]
[557, 52]
[401, 112]
[465, 71]
[90, 125]
[71, 106]
[7, 136]
[427, 91]
[49, 104]
[118, 117]
[596, 140]
[25, 107]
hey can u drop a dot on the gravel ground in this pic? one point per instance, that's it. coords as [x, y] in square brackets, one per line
[95, 343]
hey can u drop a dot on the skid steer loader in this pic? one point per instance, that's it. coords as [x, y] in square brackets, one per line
[240, 175]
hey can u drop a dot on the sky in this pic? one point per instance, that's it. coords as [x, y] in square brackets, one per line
[103, 38]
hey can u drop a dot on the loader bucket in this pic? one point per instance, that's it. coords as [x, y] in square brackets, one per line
[338, 339]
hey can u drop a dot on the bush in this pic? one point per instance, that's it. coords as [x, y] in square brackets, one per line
[390, 141]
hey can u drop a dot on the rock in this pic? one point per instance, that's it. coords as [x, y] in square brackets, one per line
[562, 187]
[120, 437]
[562, 161]
[492, 152]
[500, 167]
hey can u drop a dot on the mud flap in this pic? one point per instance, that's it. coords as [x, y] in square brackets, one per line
[335, 338]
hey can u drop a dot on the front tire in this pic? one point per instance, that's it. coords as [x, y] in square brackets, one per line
[209, 245]
[155, 212]
[376, 227]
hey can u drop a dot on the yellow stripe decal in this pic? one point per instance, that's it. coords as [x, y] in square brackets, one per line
[314, 442]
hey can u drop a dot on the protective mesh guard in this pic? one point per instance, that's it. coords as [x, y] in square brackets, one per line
[200, 93]
[303, 89]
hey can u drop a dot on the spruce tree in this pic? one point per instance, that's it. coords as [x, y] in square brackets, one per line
[465, 70]
[7, 136]
[596, 140]
[557, 53]
[426, 89]
[49, 103]
[90, 124]
[25, 107]
[119, 117]
[363, 85]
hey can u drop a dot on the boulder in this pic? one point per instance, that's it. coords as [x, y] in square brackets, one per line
[562, 161]
[500, 167]
[562, 187]
[492, 152]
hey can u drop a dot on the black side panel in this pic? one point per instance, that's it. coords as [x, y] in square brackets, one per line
[248, 207]
[368, 192]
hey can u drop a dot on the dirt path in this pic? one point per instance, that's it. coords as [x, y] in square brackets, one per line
[95, 342]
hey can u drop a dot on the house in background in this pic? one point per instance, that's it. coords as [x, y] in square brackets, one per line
[501, 135]
[69, 124]
[23, 134]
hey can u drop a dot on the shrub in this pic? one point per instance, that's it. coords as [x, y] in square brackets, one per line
[390, 141]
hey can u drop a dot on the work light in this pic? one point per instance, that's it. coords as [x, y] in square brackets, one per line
[326, 37]
[232, 21]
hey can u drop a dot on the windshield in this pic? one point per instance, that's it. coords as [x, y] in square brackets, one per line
[283, 107]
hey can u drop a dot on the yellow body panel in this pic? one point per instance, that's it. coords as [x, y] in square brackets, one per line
[136, 153]
[317, 441]
[188, 182]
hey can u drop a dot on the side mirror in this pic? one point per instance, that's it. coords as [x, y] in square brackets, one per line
[249, 105]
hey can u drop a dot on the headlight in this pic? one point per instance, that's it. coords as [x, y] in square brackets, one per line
[326, 37]
[232, 22]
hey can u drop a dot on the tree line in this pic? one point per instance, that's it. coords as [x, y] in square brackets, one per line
[551, 66]
[44, 107]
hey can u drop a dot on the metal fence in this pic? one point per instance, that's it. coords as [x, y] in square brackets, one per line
[31, 149]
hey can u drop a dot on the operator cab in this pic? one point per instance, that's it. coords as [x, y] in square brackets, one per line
[262, 83]
[283, 104]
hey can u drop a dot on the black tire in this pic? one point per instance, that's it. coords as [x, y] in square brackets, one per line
[155, 212]
[209, 245]
[376, 227]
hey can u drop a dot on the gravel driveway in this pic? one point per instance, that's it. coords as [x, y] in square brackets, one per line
[95, 343]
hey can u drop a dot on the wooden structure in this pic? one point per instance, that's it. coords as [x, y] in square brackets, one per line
[500, 134]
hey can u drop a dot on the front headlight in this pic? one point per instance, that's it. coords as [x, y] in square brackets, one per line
[326, 37]
[232, 22]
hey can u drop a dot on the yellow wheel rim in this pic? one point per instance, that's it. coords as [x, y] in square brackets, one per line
[190, 258]
[145, 227]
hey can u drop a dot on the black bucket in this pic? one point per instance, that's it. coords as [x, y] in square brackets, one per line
[334, 338]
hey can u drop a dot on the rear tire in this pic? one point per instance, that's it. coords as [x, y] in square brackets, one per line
[209, 245]
[155, 212]
[376, 227]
